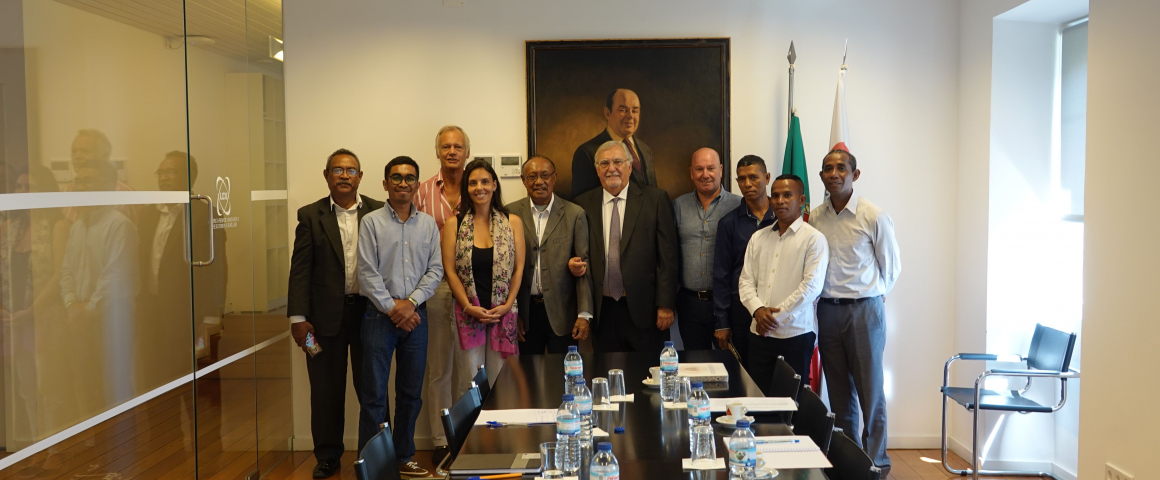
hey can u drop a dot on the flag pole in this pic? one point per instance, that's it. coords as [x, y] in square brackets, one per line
[792, 58]
[844, 50]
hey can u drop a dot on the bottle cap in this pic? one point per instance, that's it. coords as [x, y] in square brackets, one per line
[743, 423]
[579, 381]
[668, 344]
[618, 430]
[697, 384]
[568, 397]
[604, 447]
[572, 348]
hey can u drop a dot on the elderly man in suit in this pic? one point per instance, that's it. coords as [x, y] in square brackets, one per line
[555, 306]
[622, 119]
[634, 264]
[324, 300]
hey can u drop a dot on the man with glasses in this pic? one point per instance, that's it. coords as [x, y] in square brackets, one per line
[555, 307]
[621, 120]
[634, 264]
[324, 301]
[399, 266]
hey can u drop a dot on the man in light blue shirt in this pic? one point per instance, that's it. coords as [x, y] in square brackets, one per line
[697, 214]
[399, 266]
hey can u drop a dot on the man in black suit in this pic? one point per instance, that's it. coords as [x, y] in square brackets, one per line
[622, 118]
[636, 275]
[324, 301]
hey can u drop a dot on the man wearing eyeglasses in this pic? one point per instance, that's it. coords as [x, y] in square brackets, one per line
[556, 304]
[634, 264]
[399, 266]
[324, 300]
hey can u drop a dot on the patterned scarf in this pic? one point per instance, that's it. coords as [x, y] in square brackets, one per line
[471, 330]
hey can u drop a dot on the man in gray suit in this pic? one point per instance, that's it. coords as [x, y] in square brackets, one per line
[555, 305]
[633, 247]
[622, 119]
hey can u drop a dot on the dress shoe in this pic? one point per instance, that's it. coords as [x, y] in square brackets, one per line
[325, 468]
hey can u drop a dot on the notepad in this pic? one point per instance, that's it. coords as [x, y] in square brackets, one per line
[786, 443]
[779, 453]
[755, 404]
[516, 417]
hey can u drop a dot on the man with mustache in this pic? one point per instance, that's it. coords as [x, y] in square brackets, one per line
[622, 119]
[634, 264]
[324, 300]
[852, 309]
[399, 266]
[555, 307]
[697, 214]
[785, 266]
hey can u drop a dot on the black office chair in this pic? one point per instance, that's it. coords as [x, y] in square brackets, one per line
[1048, 357]
[377, 460]
[814, 419]
[457, 422]
[786, 383]
[484, 386]
[850, 462]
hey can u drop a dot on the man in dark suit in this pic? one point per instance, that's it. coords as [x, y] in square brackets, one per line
[324, 301]
[634, 279]
[555, 306]
[622, 118]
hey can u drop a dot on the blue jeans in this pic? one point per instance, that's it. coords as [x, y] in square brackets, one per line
[382, 341]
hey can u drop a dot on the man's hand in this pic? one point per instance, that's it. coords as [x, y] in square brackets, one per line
[580, 329]
[664, 318]
[401, 311]
[723, 337]
[411, 322]
[765, 319]
[299, 331]
[577, 266]
[520, 329]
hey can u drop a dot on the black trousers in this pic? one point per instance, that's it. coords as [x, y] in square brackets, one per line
[763, 353]
[615, 331]
[540, 335]
[695, 317]
[327, 372]
[739, 322]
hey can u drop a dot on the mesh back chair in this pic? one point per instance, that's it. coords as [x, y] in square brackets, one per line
[1048, 357]
[786, 383]
[814, 419]
[484, 386]
[377, 460]
[457, 422]
[850, 462]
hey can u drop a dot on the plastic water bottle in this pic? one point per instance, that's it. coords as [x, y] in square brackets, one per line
[698, 407]
[568, 436]
[583, 400]
[670, 387]
[573, 367]
[742, 450]
[604, 465]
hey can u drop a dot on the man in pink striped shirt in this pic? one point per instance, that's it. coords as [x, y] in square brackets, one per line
[438, 197]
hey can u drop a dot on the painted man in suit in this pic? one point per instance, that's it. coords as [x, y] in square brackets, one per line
[634, 256]
[555, 306]
[622, 119]
[324, 301]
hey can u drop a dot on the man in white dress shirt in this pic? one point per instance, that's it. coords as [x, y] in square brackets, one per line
[864, 265]
[785, 266]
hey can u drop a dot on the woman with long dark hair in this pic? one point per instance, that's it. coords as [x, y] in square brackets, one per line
[483, 255]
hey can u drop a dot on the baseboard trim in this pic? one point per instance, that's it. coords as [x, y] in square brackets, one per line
[964, 452]
[913, 442]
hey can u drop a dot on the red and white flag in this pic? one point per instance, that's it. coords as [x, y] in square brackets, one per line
[839, 127]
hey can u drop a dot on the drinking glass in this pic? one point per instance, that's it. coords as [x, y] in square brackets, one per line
[686, 390]
[548, 468]
[616, 383]
[600, 391]
[704, 451]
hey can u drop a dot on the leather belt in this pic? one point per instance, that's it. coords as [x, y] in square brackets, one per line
[844, 301]
[537, 299]
[350, 299]
[701, 295]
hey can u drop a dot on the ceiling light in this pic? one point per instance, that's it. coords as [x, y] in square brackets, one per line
[276, 49]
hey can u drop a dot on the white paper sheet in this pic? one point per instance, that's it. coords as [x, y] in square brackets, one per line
[515, 417]
[755, 404]
[791, 460]
[608, 407]
[623, 398]
[676, 405]
[786, 443]
[687, 464]
[599, 432]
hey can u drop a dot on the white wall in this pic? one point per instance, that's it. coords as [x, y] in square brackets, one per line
[381, 77]
[1118, 420]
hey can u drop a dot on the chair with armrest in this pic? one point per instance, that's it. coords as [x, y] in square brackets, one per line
[814, 419]
[786, 383]
[850, 462]
[1048, 357]
[378, 460]
[481, 380]
[457, 423]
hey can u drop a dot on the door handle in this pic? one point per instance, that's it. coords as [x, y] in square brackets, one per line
[208, 203]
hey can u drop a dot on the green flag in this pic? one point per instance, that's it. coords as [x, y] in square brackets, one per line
[795, 160]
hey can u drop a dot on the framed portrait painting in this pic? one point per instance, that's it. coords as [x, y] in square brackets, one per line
[667, 97]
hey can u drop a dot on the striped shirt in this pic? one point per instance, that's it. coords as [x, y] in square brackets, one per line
[432, 202]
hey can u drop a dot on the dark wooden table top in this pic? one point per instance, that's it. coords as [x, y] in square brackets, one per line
[654, 440]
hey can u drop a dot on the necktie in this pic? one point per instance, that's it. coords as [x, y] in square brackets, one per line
[637, 167]
[538, 215]
[615, 283]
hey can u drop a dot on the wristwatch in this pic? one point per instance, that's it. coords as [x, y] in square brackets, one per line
[412, 300]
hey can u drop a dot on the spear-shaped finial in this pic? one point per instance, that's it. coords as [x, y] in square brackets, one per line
[844, 50]
[792, 58]
[792, 54]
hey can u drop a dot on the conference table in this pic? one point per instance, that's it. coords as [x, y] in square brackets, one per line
[654, 439]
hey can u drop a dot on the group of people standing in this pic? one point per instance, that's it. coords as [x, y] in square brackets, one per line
[446, 277]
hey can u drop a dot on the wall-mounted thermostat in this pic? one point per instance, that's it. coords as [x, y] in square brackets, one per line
[509, 165]
[487, 158]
